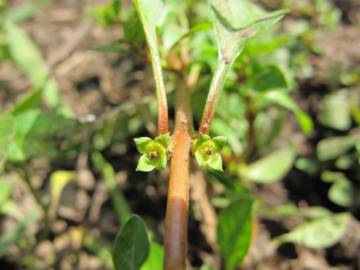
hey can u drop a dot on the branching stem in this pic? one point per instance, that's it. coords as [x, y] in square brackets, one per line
[176, 222]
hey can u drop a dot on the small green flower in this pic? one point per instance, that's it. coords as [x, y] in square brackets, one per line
[154, 152]
[207, 151]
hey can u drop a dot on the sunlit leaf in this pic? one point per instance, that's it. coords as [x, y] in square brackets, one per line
[26, 55]
[155, 259]
[131, 247]
[31, 101]
[283, 99]
[319, 233]
[26, 11]
[270, 168]
[58, 181]
[336, 111]
[332, 148]
[236, 21]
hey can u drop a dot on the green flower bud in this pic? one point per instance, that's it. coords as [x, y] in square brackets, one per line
[207, 151]
[154, 152]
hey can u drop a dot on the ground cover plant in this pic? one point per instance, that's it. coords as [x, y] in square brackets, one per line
[88, 181]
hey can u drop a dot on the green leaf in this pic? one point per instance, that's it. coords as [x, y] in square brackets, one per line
[283, 99]
[7, 131]
[26, 11]
[155, 259]
[142, 144]
[341, 193]
[332, 148]
[133, 30]
[319, 233]
[144, 165]
[234, 232]
[270, 168]
[131, 247]
[109, 14]
[270, 78]
[33, 130]
[150, 13]
[236, 21]
[58, 181]
[336, 112]
[26, 55]
[30, 101]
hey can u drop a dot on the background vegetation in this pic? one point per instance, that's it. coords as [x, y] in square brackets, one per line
[76, 87]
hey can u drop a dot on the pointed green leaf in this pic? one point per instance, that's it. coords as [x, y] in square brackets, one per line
[235, 231]
[235, 21]
[270, 168]
[283, 99]
[131, 247]
[142, 144]
[26, 55]
[269, 78]
[341, 193]
[319, 233]
[144, 165]
[150, 13]
[332, 148]
[336, 111]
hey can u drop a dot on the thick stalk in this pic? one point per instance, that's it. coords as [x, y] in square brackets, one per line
[216, 86]
[176, 222]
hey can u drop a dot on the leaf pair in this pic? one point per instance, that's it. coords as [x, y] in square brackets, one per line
[154, 152]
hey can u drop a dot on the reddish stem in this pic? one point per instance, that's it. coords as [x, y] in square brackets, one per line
[176, 222]
[163, 118]
[216, 86]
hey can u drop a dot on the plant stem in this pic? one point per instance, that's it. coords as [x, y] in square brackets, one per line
[163, 118]
[176, 222]
[250, 116]
[216, 86]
